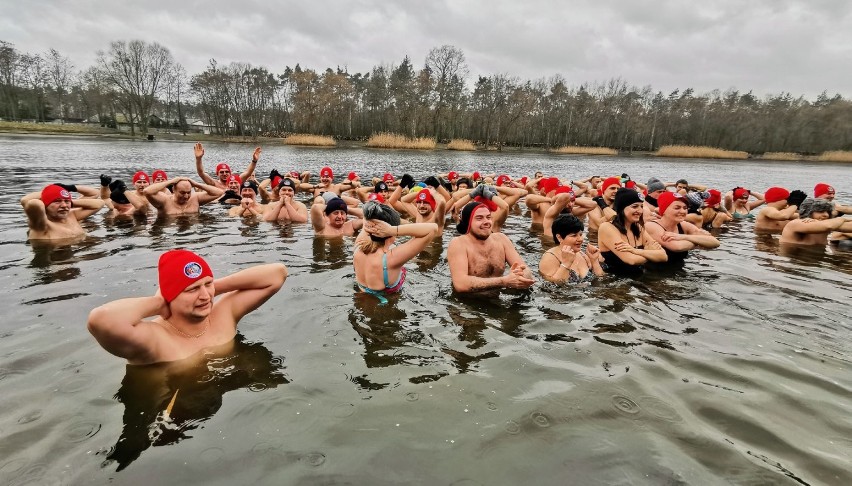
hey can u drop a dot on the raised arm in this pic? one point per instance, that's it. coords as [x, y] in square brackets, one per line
[248, 289]
[318, 214]
[199, 166]
[250, 170]
[119, 327]
[421, 234]
[211, 193]
[154, 191]
[85, 207]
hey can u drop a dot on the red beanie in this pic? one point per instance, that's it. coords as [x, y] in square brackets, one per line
[668, 197]
[53, 193]
[475, 176]
[610, 181]
[275, 182]
[140, 176]
[388, 178]
[234, 177]
[326, 172]
[178, 270]
[426, 195]
[453, 175]
[376, 196]
[775, 194]
[822, 189]
[159, 173]
[223, 166]
[502, 179]
[565, 190]
[739, 193]
[352, 176]
[548, 184]
[714, 199]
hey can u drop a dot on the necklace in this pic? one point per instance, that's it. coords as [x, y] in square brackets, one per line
[206, 327]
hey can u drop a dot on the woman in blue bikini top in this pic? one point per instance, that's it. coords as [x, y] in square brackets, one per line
[378, 263]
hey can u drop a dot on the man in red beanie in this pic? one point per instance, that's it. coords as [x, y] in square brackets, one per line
[825, 191]
[478, 257]
[327, 184]
[605, 201]
[53, 216]
[184, 200]
[223, 170]
[777, 212]
[186, 318]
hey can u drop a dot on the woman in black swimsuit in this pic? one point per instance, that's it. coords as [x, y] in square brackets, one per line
[624, 244]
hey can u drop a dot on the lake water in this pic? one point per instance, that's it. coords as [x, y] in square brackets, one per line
[733, 370]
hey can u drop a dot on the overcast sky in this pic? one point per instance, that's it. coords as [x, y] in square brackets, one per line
[768, 46]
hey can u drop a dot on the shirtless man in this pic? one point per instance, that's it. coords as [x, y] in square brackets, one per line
[777, 212]
[248, 203]
[119, 200]
[478, 257]
[184, 200]
[53, 216]
[537, 200]
[223, 170]
[826, 192]
[605, 201]
[654, 189]
[566, 202]
[231, 196]
[330, 217]
[187, 318]
[327, 184]
[815, 224]
[286, 209]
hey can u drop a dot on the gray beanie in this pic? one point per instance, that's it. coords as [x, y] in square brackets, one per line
[811, 205]
[655, 184]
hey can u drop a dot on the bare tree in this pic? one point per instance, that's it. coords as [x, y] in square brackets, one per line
[60, 72]
[138, 71]
[446, 65]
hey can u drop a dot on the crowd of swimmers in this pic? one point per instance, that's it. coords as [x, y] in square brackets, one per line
[636, 224]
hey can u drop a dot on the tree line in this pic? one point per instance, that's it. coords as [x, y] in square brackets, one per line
[131, 81]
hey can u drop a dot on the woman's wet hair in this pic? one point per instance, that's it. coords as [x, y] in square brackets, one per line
[381, 212]
[810, 206]
[564, 225]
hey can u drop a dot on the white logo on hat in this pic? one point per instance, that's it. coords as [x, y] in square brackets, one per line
[64, 194]
[192, 270]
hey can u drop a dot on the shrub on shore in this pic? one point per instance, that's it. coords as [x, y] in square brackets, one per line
[835, 156]
[460, 144]
[698, 152]
[576, 149]
[396, 141]
[308, 139]
[782, 156]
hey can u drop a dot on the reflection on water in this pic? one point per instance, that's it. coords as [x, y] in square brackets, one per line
[164, 403]
[731, 369]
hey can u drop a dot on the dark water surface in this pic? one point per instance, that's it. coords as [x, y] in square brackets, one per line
[735, 369]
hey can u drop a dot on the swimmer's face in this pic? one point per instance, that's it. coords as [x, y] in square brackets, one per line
[224, 174]
[820, 216]
[58, 210]
[574, 240]
[325, 179]
[247, 192]
[463, 185]
[656, 194]
[633, 212]
[676, 211]
[159, 178]
[286, 191]
[183, 191]
[682, 187]
[537, 175]
[828, 196]
[423, 207]
[609, 193]
[595, 181]
[141, 184]
[337, 218]
[234, 186]
[480, 223]
[196, 301]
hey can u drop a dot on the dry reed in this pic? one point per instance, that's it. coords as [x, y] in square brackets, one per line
[576, 149]
[396, 141]
[782, 156]
[460, 144]
[308, 139]
[835, 156]
[692, 151]
[52, 127]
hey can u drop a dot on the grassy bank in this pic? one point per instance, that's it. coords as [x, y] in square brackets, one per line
[460, 144]
[782, 156]
[698, 152]
[577, 150]
[396, 141]
[835, 156]
[54, 128]
[309, 140]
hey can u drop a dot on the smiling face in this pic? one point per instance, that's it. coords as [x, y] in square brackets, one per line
[247, 192]
[286, 191]
[183, 191]
[574, 240]
[223, 174]
[234, 185]
[58, 210]
[480, 223]
[676, 211]
[633, 213]
[196, 301]
[423, 207]
[337, 218]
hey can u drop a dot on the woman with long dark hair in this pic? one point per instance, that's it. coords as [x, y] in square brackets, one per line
[624, 244]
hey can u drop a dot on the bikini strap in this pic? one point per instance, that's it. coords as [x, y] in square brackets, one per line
[385, 269]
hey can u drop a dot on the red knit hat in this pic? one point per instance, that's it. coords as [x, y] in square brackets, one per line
[475, 176]
[160, 173]
[565, 190]
[609, 182]
[822, 189]
[388, 178]
[234, 177]
[376, 196]
[714, 200]
[53, 193]
[548, 184]
[775, 194]
[453, 175]
[352, 176]
[178, 269]
[223, 166]
[502, 179]
[668, 197]
[426, 196]
[739, 193]
[326, 172]
[140, 176]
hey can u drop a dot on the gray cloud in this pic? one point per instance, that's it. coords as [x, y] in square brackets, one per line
[768, 46]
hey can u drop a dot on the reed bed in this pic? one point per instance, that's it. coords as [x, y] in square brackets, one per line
[460, 144]
[698, 152]
[52, 127]
[782, 156]
[396, 141]
[576, 149]
[835, 156]
[308, 139]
